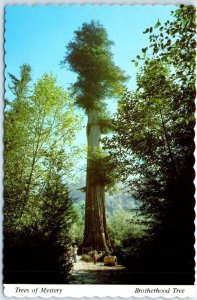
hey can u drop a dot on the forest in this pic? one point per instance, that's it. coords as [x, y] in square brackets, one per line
[135, 198]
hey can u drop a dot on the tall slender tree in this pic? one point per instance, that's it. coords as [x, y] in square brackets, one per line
[40, 126]
[89, 55]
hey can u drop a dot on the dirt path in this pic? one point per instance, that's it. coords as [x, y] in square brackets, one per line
[89, 273]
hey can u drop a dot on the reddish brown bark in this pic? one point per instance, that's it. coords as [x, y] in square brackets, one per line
[95, 234]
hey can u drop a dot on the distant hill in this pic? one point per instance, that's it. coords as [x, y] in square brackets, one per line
[116, 202]
[119, 201]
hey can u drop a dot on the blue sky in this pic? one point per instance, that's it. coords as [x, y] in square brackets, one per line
[37, 35]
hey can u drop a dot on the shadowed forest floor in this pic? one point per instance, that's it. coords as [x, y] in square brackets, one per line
[90, 273]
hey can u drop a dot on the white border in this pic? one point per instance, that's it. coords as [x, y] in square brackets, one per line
[125, 291]
[78, 291]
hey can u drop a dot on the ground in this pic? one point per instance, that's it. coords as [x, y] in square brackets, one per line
[90, 273]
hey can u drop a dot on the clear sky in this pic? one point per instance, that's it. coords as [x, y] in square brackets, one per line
[37, 35]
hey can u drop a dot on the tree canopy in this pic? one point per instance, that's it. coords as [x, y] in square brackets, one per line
[44, 126]
[89, 55]
[40, 127]
[154, 141]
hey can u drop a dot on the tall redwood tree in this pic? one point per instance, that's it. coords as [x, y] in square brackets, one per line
[89, 55]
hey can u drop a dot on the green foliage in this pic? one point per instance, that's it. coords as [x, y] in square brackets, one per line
[40, 126]
[86, 257]
[57, 209]
[28, 251]
[154, 142]
[106, 123]
[102, 169]
[90, 56]
[174, 42]
[123, 225]
[20, 86]
[39, 130]
[155, 123]
[77, 227]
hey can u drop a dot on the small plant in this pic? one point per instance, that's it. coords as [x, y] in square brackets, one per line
[86, 257]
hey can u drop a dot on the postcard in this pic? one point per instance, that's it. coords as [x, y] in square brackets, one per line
[99, 119]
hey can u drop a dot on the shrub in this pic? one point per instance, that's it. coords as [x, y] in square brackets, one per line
[28, 253]
[86, 257]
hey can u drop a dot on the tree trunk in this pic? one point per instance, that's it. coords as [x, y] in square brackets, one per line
[95, 234]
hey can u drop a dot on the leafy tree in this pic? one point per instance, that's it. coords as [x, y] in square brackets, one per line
[15, 140]
[34, 125]
[77, 228]
[122, 226]
[20, 86]
[154, 143]
[174, 42]
[89, 55]
[40, 126]
[57, 208]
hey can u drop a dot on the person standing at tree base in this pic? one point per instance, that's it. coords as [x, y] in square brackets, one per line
[75, 248]
[95, 257]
